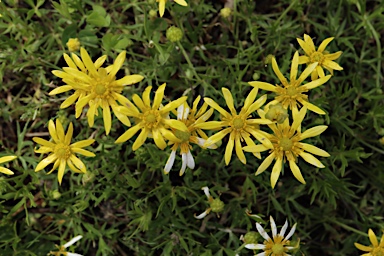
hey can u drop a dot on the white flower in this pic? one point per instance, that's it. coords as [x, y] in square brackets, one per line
[63, 247]
[278, 245]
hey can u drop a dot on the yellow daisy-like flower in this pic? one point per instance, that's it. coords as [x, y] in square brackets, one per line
[240, 126]
[287, 145]
[324, 60]
[375, 249]
[184, 139]
[290, 94]
[95, 86]
[163, 2]
[278, 245]
[6, 159]
[152, 120]
[61, 151]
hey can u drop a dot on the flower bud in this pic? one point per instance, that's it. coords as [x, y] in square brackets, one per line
[174, 34]
[225, 12]
[73, 44]
[251, 237]
[277, 113]
[217, 205]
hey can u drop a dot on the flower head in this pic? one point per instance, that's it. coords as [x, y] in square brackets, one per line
[62, 249]
[240, 126]
[73, 44]
[5, 159]
[291, 93]
[95, 86]
[61, 151]
[278, 245]
[185, 139]
[324, 59]
[216, 205]
[152, 120]
[163, 2]
[375, 249]
[287, 146]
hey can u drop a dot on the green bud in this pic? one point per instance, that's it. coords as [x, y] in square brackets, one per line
[251, 237]
[55, 194]
[217, 205]
[87, 177]
[277, 113]
[152, 14]
[256, 76]
[225, 12]
[174, 34]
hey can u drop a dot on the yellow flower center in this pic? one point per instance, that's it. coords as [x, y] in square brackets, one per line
[238, 123]
[378, 251]
[286, 144]
[183, 136]
[290, 95]
[317, 57]
[62, 151]
[291, 91]
[100, 89]
[151, 118]
[278, 249]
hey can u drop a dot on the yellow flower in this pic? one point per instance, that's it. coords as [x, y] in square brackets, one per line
[95, 86]
[375, 249]
[324, 60]
[291, 93]
[152, 120]
[162, 5]
[5, 159]
[184, 139]
[73, 44]
[240, 126]
[287, 145]
[61, 151]
[278, 245]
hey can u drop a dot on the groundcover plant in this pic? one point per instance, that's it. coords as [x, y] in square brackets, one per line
[191, 127]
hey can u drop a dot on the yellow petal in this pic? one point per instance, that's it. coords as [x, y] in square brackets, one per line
[278, 73]
[250, 143]
[331, 65]
[313, 108]
[5, 159]
[265, 164]
[229, 149]
[304, 59]
[100, 61]
[78, 62]
[140, 139]
[216, 106]
[176, 124]
[216, 137]
[307, 71]
[119, 61]
[78, 163]
[312, 132]
[61, 89]
[263, 86]
[212, 125]
[69, 101]
[146, 98]
[204, 117]
[260, 137]
[81, 103]
[128, 134]
[311, 160]
[60, 131]
[173, 105]
[373, 238]
[52, 132]
[107, 118]
[363, 247]
[251, 97]
[82, 143]
[297, 119]
[69, 61]
[159, 95]
[122, 118]
[159, 139]
[333, 56]
[239, 151]
[6, 170]
[181, 2]
[43, 150]
[43, 142]
[307, 49]
[46, 161]
[91, 113]
[72, 166]
[276, 172]
[317, 82]
[309, 42]
[296, 171]
[320, 71]
[257, 104]
[68, 136]
[324, 44]
[76, 74]
[256, 148]
[169, 135]
[229, 100]
[313, 149]
[60, 173]
[128, 80]
[161, 7]
[139, 103]
[83, 152]
[88, 62]
[294, 66]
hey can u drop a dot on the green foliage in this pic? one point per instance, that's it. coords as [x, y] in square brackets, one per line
[125, 204]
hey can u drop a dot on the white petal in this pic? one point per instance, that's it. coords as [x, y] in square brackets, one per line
[273, 226]
[206, 192]
[170, 161]
[190, 161]
[180, 112]
[203, 214]
[73, 254]
[261, 254]
[186, 112]
[284, 228]
[291, 232]
[73, 240]
[255, 246]
[184, 162]
[262, 232]
[201, 143]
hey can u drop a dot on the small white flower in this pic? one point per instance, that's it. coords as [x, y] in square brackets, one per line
[277, 245]
[63, 247]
